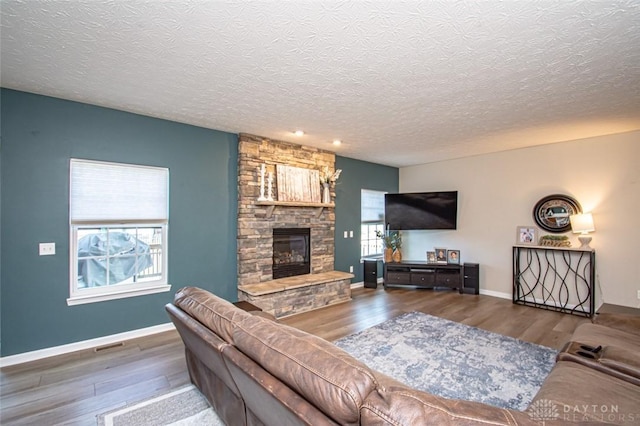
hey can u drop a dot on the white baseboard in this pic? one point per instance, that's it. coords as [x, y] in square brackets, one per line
[85, 344]
[357, 285]
[498, 294]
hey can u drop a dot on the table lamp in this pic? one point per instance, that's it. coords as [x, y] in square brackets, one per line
[582, 224]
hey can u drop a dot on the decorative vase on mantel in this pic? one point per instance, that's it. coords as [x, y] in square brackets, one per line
[388, 255]
[326, 194]
[397, 256]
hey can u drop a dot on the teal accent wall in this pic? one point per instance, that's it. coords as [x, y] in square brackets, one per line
[356, 175]
[39, 136]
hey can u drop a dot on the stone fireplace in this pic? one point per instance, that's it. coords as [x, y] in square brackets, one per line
[259, 225]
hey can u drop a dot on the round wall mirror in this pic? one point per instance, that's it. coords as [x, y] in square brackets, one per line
[552, 212]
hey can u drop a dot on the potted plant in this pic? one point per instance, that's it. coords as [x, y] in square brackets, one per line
[392, 242]
[397, 245]
[327, 179]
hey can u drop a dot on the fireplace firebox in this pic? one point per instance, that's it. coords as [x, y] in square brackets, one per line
[291, 252]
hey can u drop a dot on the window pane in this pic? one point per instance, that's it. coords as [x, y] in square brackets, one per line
[110, 256]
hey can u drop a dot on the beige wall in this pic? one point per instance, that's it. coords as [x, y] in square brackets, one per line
[497, 193]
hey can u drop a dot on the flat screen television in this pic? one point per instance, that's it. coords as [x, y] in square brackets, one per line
[421, 210]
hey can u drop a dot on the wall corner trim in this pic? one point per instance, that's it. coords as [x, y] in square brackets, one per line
[82, 345]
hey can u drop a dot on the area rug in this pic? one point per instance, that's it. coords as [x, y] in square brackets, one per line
[182, 407]
[453, 360]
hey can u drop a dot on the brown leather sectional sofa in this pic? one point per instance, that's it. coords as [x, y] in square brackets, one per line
[255, 371]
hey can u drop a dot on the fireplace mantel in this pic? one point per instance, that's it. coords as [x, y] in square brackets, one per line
[273, 204]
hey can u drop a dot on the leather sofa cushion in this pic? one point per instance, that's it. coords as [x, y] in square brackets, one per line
[401, 405]
[323, 374]
[213, 312]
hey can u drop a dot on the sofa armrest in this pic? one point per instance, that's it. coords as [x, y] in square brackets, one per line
[628, 323]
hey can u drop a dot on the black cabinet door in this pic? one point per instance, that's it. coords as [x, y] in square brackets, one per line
[371, 273]
[471, 274]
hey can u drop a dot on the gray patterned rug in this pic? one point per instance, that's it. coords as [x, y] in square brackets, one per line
[182, 407]
[453, 360]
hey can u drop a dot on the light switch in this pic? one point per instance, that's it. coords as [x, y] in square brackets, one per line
[47, 249]
[350, 234]
[345, 234]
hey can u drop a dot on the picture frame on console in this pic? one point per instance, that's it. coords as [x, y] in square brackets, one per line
[453, 257]
[526, 235]
[441, 255]
[431, 257]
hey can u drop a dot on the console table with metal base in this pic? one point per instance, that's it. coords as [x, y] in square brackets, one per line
[559, 279]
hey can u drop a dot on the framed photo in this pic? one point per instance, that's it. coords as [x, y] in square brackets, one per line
[453, 257]
[441, 255]
[431, 257]
[526, 235]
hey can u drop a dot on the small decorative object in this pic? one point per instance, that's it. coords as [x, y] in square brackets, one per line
[327, 179]
[441, 255]
[270, 191]
[397, 245]
[453, 257]
[326, 193]
[583, 224]
[555, 241]
[526, 235]
[388, 255]
[552, 212]
[431, 257]
[262, 197]
[392, 242]
[397, 256]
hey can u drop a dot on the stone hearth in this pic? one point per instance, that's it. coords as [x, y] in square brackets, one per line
[255, 228]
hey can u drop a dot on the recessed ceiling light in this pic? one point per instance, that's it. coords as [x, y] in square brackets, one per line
[337, 141]
[299, 133]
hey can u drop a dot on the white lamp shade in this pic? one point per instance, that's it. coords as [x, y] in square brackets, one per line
[582, 223]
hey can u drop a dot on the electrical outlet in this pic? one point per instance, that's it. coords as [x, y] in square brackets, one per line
[638, 294]
[351, 270]
[47, 249]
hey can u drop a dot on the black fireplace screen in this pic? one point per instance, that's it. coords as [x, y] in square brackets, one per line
[291, 252]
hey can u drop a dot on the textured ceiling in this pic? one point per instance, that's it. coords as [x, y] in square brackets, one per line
[400, 82]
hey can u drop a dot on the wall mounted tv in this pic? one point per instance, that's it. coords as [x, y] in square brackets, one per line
[421, 210]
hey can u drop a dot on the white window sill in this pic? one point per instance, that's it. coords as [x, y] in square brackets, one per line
[79, 300]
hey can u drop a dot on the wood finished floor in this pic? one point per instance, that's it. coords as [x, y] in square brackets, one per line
[74, 388]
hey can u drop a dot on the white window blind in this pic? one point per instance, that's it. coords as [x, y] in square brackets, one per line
[110, 192]
[372, 206]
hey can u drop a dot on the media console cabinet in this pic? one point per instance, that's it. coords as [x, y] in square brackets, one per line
[464, 278]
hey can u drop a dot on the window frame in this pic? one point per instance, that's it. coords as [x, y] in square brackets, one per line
[369, 223]
[78, 295]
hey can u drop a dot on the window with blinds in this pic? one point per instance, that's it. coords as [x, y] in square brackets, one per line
[372, 220]
[119, 218]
